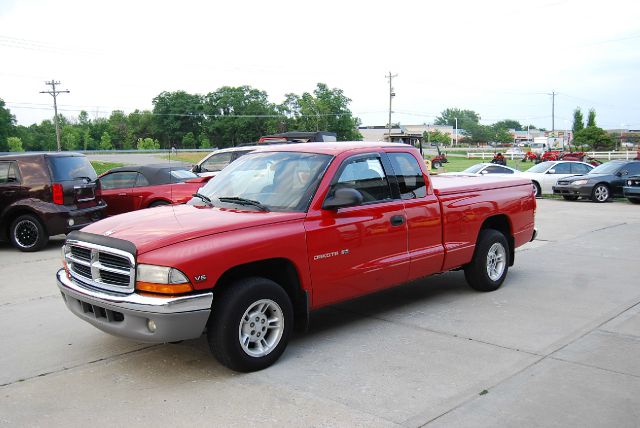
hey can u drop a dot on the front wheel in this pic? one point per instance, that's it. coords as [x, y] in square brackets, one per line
[490, 262]
[537, 191]
[435, 164]
[250, 324]
[27, 233]
[600, 193]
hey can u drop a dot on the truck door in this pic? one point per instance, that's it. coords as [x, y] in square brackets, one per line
[356, 250]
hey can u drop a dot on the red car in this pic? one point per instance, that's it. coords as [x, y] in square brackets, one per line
[131, 188]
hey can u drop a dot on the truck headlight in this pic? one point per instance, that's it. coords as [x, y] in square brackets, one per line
[162, 279]
[579, 182]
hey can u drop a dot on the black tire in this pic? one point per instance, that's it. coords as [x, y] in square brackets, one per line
[634, 200]
[158, 204]
[537, 191]
[570, 198]
[28, 234]
[229, 319]
[435, 165]
[477, 272]
[600, 193]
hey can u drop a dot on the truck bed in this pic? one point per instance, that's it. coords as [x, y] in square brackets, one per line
[452, 184]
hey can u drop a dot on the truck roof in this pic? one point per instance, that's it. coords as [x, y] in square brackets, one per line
[331, 148]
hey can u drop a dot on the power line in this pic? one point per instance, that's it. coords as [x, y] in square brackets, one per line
[391, 95]
[54, 93]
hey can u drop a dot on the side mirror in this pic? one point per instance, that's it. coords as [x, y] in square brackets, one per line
[343, 198]
[551, 171]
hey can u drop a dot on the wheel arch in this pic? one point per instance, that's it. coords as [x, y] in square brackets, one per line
[502, 224]
[279, 270]
[14, 212]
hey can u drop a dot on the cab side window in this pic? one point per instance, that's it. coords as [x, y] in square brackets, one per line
[367, 176]
[409, 175]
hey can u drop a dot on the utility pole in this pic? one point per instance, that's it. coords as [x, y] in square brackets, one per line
[391, 95]
[553, 111]
[54, 93]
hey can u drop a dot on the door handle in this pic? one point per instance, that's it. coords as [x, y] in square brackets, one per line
[397, 220]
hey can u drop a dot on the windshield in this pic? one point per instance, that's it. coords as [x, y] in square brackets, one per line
[474, 169]
[182, 174]
[279, 181]
[541, 167]
[71, 167]
[606, 168]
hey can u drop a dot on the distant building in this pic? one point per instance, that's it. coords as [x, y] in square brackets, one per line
[407, 134]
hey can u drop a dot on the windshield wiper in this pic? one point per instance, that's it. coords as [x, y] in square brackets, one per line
[243, 201]
[204, 198]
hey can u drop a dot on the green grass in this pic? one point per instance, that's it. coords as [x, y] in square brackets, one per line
[101, 167]
[458, 164]
[187, 157]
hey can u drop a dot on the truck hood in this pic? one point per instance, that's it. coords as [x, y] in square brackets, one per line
[154, 228]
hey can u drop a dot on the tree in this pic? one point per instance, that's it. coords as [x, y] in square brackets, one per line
[70, 136]
[502, 136]
[324, 110]
[578, 120]
[594, 138]
[466, 118]
[437, 137]
[105, 142]
[7, 126]
[148, 144]
[175, 114]
[140, 125]
[189, 141]
[88, 143]
[479, 134]
[15, 144]
[204, 141]
[508, 124]
[118, 130]
[591, 121]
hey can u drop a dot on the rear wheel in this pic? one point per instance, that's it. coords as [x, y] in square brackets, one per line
[600, 193]
[27, 233]
[634, 200]
[250, 324]
[435, 164]
[570, 198]
[490, 262]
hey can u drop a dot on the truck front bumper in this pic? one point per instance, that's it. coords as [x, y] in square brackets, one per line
[136, 316]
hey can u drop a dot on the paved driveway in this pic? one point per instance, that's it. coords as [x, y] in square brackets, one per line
[557, 345]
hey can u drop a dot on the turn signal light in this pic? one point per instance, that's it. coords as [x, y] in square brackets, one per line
[153, 287]
[58, 195]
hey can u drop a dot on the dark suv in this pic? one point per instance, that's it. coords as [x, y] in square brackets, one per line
[46, 194]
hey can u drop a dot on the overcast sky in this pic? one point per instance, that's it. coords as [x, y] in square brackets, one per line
[499, 58]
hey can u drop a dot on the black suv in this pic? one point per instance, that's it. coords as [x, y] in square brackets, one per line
[46, 194]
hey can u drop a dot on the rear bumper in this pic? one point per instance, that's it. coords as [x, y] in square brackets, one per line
[65, 220]
[130, 316]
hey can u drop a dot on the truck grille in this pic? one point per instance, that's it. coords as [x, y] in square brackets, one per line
[100, 267]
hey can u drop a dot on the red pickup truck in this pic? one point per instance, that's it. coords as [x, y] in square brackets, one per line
[283, 231]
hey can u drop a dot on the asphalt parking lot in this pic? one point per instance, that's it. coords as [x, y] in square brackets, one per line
[557, 345]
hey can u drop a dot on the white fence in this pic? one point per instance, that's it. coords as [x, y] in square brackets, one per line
[598, 155]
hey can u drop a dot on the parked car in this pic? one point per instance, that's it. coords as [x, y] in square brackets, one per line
[46, 194]
[131, 188]
[483, 169]
[546, 174]
[600, 184]
[213, 163]
[631, 190]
